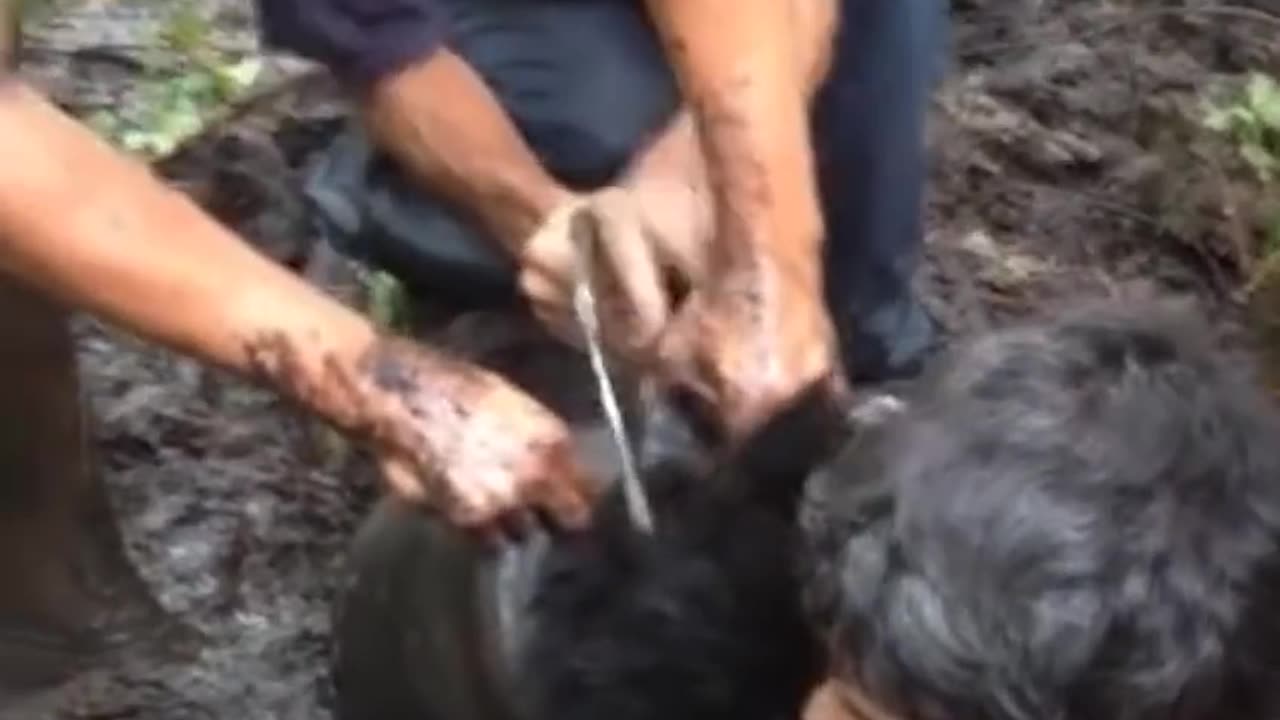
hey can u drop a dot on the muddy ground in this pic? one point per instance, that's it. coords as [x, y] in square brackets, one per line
[1068, 162]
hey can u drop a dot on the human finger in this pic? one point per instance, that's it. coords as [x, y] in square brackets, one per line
[472, 508]
[566, 492]
[551, 306]
[630, 288]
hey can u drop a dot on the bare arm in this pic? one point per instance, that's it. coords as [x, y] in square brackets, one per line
[675, 159]
[469, 149]
[98, 231]
[466, 147]
[742, 67]
[676, 149]
[757, 333]
[423, 103]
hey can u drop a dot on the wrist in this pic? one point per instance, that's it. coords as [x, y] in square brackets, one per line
[791, 240]
[304, 344]
[467, 150]
[525, 210]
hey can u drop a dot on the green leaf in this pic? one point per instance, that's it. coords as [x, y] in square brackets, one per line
[1261, 160]
[1217, 119]
[387, 300]
[1268, 111]
[239, 76]
[187, 30]
[1259, 89]
[136, 140]
[1242, 117]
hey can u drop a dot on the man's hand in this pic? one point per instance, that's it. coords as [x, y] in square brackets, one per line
[653, 228]
[747, 343]
[646, 242]
[668, 185]
[458, 439]
[758, 333]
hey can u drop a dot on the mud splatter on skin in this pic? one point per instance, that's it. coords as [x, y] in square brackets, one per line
[744, 356]
[750, 351]
[433, 412]
[740, 192]
[343, 395]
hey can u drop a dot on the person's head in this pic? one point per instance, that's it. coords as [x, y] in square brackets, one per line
[1071, 520]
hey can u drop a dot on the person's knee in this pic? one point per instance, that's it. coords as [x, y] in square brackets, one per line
[1075, 520]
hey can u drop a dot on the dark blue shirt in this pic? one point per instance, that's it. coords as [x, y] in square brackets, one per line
[359, 40]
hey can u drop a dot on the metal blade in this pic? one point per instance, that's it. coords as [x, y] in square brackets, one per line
[585, 307]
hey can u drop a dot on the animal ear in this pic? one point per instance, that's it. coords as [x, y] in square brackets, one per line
[675, 432]
[771, 466]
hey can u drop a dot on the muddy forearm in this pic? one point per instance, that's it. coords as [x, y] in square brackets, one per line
[465, 148]
[97, 231]
[752, 119]
[676, 152]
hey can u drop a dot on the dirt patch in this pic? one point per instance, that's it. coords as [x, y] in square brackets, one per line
[1070, 157]
[1068, 161]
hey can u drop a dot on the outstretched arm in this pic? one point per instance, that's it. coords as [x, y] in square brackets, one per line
[427, 107]
[424, 104]
[446, 127]
[97, 231]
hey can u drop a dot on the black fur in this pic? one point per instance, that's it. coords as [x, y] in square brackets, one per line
[701, 621]
[1078, 520]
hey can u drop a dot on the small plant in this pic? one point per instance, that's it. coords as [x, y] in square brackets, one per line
[1252, 121]
[388, 302]
[176, 98]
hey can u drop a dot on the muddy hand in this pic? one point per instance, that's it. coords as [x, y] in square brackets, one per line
[461, 440]
[747, 343]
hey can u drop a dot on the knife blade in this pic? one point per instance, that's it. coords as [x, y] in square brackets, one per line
[584, 239]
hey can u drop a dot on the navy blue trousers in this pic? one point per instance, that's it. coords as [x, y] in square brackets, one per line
[586, 82]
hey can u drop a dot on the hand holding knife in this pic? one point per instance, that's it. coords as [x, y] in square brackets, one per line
[585, 308]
